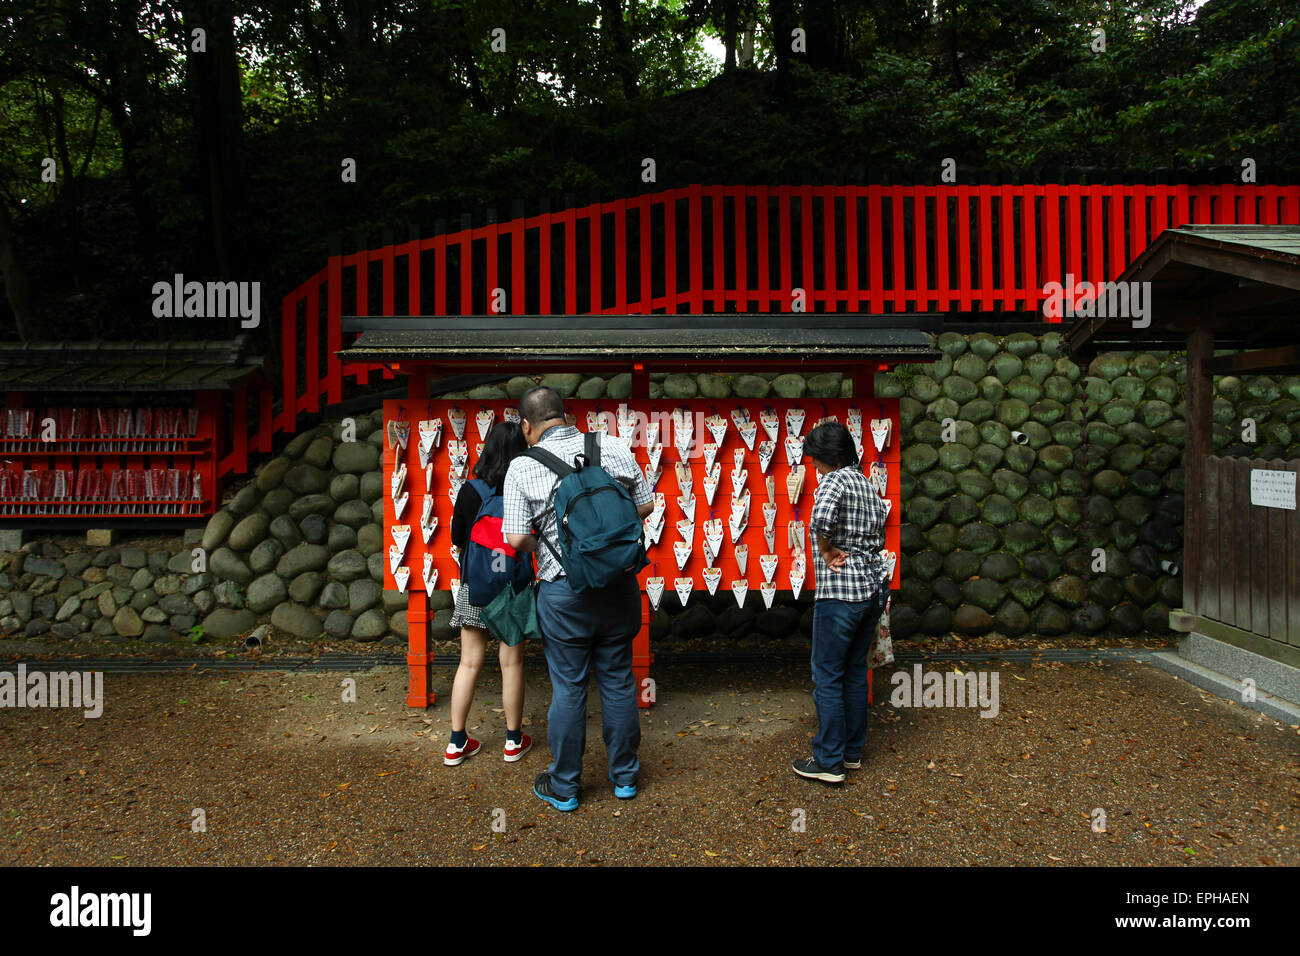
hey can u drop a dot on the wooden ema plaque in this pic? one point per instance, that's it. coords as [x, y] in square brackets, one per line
[646, 414]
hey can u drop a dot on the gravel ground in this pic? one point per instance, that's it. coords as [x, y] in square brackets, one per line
[288, 774]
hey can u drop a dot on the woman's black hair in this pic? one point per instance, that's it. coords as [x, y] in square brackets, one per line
[504, 441]
[831, 442]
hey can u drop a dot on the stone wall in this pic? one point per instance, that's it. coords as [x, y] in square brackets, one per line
[1017, 464]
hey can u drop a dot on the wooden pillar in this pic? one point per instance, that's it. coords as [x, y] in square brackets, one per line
[641, 656]
[1200, 400]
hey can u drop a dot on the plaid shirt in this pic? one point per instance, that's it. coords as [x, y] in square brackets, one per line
[849, 513]
[530, 484]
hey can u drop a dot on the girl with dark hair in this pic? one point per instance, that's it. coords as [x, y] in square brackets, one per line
[848, 527]
[504, 442]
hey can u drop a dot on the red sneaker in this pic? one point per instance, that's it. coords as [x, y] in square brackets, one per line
[516, 751]
[456, 755]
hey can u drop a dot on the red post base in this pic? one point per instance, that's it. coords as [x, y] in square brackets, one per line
[420, 692]
[642, 658]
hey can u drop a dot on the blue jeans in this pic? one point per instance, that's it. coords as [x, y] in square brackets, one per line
[842, 633]
[582, 631]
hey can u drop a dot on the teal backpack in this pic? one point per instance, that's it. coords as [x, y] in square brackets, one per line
[601, 536]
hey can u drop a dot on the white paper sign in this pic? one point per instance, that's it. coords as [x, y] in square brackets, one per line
[1272, 489]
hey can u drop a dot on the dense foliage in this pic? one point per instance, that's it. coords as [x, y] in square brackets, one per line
[228, 162]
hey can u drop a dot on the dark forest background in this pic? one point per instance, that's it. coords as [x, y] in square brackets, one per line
[226, 163]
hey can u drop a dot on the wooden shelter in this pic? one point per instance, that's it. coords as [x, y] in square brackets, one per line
[1229, 296]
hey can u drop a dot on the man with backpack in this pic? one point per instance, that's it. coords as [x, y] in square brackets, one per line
[586, 531]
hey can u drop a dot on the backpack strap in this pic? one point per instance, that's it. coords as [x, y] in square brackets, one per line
[556, 464]
[549, 459]
[591, 447]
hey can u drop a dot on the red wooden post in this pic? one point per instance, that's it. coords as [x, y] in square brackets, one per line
[987, 291]
[544, 265]
[670, 251]
[1007, 259]
[645, 254]
[897, 248]
[311, 355]
[942, 281]
[596, 303]
[641, 656]
[620, 257]
[851, 280]
[875, 245]
[742, 250]
[1096, 235]
[829, 276]
[921, 248]
[964, 196]
[783, 198]
[1029, 246]
[696, 288]
[334, 330]
[719, 256]
[289, 362]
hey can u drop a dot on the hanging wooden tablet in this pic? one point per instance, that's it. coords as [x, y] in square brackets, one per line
[688, 507]
[771, 423]
[793, 422]
[684, 482]
[711, 481]
[712, 577]
[738, 418]
[738, 478]
[399, 505]
[742, 556]
[766, 450]
[454, 552]
[768, 590]
[652, 476]
[880, 432]
[748, 432]
[768, 563]
[456, 418]
[739, 589]
[654, 589]
[684, 586]
[769, 515]
[397, 481]
[430, 574]
[793, 451]
[797, 575]
[717, 426]
[794, 483]
[511, 414]
[654, 454]
[402, 575]
[710, 453]
[681, 551]
[483, 420]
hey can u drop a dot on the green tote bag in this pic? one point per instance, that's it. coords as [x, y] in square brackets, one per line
[511, 616]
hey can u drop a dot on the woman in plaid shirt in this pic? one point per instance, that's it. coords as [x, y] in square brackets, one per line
[848, 527]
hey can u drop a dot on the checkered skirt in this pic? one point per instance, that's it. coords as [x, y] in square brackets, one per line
[466, 614]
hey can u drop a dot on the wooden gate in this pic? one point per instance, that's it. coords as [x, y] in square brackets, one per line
[1249, 556]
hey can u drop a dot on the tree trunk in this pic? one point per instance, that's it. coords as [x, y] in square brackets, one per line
[15, 278]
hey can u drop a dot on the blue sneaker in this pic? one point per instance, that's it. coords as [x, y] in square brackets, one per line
[542, 788]
[622, 792]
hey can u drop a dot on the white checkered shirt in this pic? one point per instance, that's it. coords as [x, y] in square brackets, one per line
[530, 484]
[849, 513]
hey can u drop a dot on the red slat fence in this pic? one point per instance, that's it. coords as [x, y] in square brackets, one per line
[698, 249]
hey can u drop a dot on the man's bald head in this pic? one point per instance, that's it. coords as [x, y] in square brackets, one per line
[541, 404]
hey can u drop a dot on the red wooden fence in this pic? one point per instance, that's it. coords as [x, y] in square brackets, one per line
[700, 249]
